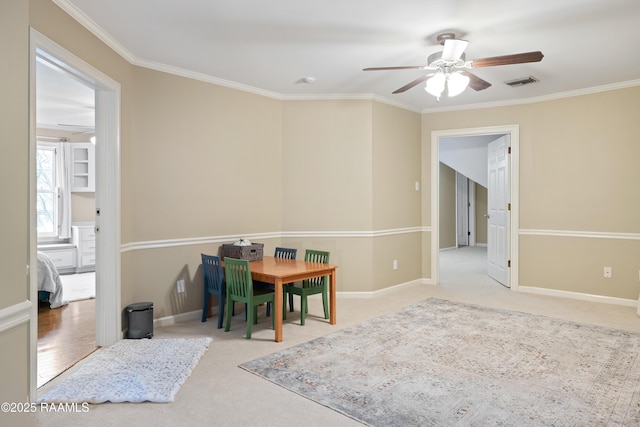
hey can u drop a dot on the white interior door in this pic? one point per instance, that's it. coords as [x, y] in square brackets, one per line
[462, 209]
[498, 215]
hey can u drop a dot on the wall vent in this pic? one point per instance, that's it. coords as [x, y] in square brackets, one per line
[521, 81]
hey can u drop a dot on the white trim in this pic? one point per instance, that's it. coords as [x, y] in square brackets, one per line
[382, 292]
[514, 171]
[95, 29]
[176, 318]
[15, 315]
[169, 243]
[579, 296]
[543, 98]
[581, 234]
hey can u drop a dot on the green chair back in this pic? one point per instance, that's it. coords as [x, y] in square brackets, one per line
[238, 278]
[317, 285]
[321, 257]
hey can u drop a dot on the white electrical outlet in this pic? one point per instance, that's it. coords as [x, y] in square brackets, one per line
[417, 185]
[607, 272]
[180, 285]
[395, 264]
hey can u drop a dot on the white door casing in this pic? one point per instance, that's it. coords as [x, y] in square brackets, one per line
[498, 215]
[433, 160]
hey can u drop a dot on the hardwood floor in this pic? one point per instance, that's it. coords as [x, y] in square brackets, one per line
[66, 335]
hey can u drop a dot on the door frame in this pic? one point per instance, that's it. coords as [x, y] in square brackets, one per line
[514, 132]
[107, 132]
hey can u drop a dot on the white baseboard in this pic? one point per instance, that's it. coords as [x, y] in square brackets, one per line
[385, 290]
[579, 296]
[194, 315]
[177, 318]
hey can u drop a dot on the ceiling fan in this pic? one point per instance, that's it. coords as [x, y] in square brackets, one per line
[450, 68]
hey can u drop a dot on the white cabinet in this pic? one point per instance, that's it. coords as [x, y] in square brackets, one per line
[62, 256]
[83, 168]
[84, 238]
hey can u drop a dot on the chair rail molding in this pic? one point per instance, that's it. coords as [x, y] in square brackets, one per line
[582, 234]
[15, 315]
[188, 241]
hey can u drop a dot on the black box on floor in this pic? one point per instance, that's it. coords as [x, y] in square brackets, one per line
[139, 320]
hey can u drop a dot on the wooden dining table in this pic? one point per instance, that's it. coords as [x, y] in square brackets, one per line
[280, 271]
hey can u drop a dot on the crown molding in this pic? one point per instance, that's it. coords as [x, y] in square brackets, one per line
[96, 30]
[543, 98]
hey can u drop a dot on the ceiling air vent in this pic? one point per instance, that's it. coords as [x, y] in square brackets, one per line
[521, 81]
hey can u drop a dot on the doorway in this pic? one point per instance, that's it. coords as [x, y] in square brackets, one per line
[512, 133]
[65, 218]
[107, 193]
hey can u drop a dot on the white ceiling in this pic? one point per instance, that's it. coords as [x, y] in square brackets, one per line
[63, 102]
[267, 47]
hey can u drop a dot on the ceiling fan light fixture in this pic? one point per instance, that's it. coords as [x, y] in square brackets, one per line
[435, 85]
[453, 50]
[456, 83]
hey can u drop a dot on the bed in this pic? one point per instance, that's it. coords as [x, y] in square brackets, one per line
[49, 281]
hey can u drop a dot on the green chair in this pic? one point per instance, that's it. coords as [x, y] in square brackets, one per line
[283, 253]
[240, 288]
[317, 285]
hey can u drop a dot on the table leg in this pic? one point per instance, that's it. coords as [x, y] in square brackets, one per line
[332, 297]
[277, 310]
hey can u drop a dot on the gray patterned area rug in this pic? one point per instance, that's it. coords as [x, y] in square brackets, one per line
[442, 363]
[146, 370]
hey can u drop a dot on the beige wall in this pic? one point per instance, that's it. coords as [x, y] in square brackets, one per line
[207, 163]
[83, 207]
[396, 167]
[350, 167]
[481, 213]
[577, 174]
[14, 190]
[396, 202]
[447, 207]
[327, 182]
[206, 160]
[327, 153]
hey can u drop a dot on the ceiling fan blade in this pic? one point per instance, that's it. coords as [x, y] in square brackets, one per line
[475, 82]
[406, 67]
[412, 84]
[518, 58]
[453, 49]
